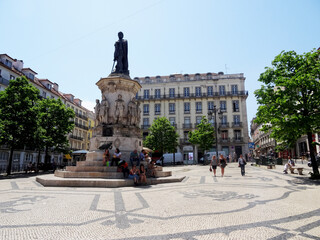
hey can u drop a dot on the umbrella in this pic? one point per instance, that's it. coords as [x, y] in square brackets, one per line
[106, 146]
[147, 149]
[80, 151]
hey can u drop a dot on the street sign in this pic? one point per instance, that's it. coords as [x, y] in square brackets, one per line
[251, 145]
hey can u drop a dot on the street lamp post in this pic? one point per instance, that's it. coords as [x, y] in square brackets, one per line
[215, 111]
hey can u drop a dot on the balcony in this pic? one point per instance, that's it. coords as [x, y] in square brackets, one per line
[4, 81]
[76, 137]
[187, 125]
[81, 126]
[236, 124]
[145, 127]
[224, 125]
[184, 141]
[224, 140]
[81, 116]
[237, 139]
[193, 95]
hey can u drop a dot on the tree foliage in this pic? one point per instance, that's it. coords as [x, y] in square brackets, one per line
[54, 123]
[162, 136]
[289, 100]
[18, 116]
[203, 135]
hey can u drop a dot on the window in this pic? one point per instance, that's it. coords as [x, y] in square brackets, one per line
[234, 89]
[223, 106]
[210, 106]
[198, 77]
[222, 90]
[198, 107]
[12, 77]
[30, 76]
[172, 120]
[186, 77]
[145, 109]
[44, 94]
[186, 107]
[224, 120]
[236, 119]
[235, 105]
[198, 119]
[237, 134]
[157, 93]
[146, 94]
[224, 134]
[145, 121]
[4, 156]
[186, 92]
[157, 108]
[172, 108]
[210, 91]
[171, 92]
[29, 157]
[16, 157]
[49, 86]
[8, 63]
[209, 76]
[187, 122]
[198, 91]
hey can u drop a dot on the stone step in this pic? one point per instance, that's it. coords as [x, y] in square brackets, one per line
[163, 173]
[90, 169]
[68, 174]
[53, 181]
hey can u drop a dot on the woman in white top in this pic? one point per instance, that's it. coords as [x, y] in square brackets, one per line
[116, 157]
[214, 164]
[242, 164]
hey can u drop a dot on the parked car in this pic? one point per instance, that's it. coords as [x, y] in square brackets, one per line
[168, 159]
[210, 154]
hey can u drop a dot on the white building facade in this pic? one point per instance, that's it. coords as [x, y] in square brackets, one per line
[184, 99]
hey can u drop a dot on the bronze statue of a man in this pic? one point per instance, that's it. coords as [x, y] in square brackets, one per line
[121, 55]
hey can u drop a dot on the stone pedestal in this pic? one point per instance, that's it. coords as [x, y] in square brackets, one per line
[117, 117]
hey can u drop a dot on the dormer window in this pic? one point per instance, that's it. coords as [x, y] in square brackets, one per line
[30, 76]
[147, 79]
[49, 86]
[209, 76]
[172, 78]
[8, 63]
[186, 77]
[198, 77]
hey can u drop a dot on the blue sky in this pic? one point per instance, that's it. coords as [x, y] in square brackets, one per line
[71, 42]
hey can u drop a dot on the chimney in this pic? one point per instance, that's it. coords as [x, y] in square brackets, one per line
[56, 87]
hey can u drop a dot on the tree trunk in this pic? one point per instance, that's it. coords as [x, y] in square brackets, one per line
[312, 155]
[9, 164]
[38, 160]
[174, 158]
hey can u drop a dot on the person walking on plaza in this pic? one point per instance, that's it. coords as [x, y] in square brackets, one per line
[242, 163]
[134, 157]
[214, 164]
[222, 164]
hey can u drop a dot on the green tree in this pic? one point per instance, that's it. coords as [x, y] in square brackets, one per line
[289, 100]
[203, 135]
[162, 136]
[54, 123]
[18, 115]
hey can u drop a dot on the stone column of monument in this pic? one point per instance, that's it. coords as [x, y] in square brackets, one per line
[117, 113]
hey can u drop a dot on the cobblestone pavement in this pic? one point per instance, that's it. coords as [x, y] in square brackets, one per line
[265, 204]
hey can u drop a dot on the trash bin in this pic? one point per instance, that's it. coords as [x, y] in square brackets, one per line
[279, 161]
